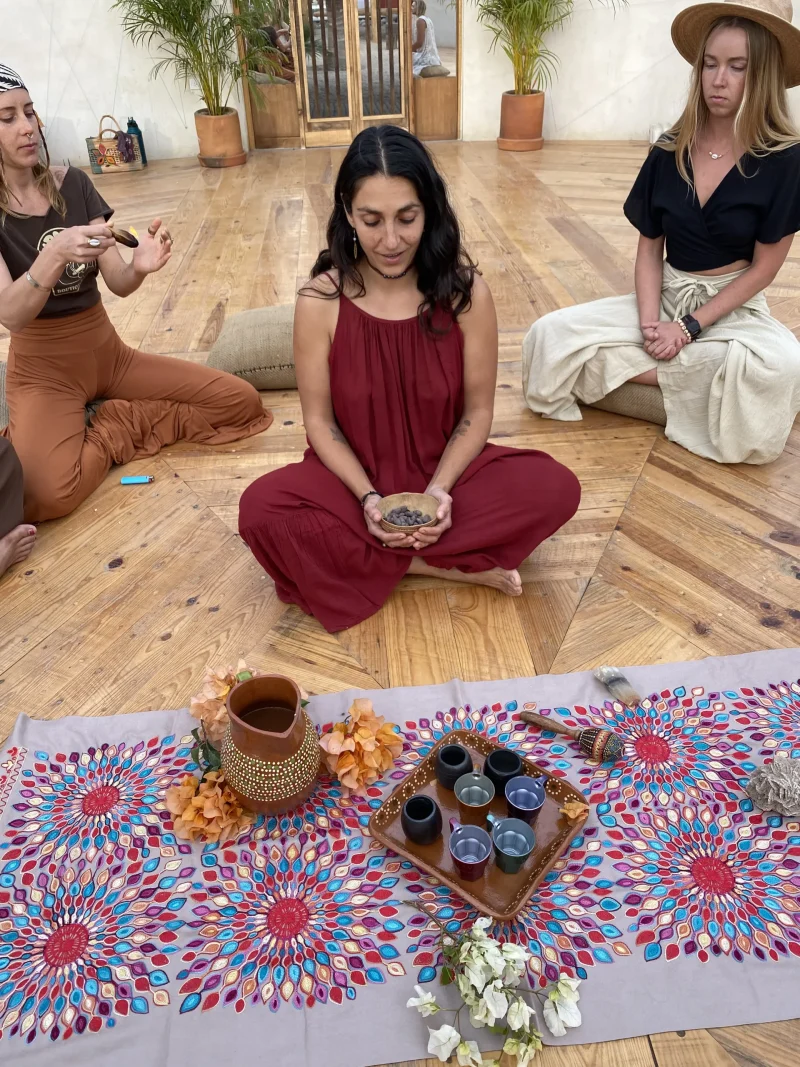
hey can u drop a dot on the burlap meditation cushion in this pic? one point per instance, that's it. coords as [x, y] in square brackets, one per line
[257, 345]
[638, 401]
[434, 71]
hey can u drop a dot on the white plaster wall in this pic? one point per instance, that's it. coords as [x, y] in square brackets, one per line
[79, 65]
[619, 74]
[443, 14]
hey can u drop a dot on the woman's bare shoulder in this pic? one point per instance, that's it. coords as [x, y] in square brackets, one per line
[481, 299]
[324, 285]
[317, 304]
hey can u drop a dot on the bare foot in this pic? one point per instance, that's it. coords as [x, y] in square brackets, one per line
[16, 546]
[508, 582]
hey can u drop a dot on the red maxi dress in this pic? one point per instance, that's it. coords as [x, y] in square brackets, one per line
[398, 394]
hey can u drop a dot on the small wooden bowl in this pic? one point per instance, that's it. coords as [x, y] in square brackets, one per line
[428, 505]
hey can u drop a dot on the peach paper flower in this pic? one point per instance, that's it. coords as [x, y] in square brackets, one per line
[361, 749]
[207, 809]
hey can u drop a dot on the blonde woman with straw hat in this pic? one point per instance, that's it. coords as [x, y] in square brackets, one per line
[716, 204]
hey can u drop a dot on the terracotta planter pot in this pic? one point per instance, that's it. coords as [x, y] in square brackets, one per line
[521, 119]
[220, 139]
[270, 753]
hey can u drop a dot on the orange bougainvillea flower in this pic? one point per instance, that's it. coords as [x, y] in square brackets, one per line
[361, 749]
[207, 810]
[209, 704]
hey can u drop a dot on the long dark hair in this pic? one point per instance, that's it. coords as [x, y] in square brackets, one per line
[444, 270]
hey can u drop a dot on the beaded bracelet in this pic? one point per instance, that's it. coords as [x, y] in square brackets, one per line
[685, 329]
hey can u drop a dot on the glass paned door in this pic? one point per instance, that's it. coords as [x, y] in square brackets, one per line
[380, 55]
[353, 64]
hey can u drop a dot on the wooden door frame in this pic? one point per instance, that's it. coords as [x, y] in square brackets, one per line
[459, 44]
[323, 133]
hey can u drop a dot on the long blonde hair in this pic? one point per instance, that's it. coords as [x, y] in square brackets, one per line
[43, 178]
[763, 123]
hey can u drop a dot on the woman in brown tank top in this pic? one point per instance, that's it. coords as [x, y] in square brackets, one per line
[65, 353]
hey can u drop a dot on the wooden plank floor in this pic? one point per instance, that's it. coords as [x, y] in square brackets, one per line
[669, 558]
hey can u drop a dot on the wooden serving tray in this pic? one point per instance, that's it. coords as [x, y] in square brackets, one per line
[496, 894]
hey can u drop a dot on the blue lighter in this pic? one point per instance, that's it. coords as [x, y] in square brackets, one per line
[137, 479]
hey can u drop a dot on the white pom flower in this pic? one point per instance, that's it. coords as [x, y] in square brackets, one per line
[469, 1055]
[480, 1015]
[568, 988]
[553, 1019]
[495, 1000]
[560, 1014]
[479, 928]
[443, 1042]
[424, 1002]
[519, 1015]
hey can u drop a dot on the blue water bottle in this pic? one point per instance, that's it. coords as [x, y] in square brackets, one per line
[134, 131]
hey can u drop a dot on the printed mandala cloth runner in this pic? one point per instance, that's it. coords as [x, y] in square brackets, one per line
[679, 904]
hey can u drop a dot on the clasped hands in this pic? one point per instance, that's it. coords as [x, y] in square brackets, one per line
[422, 538]
[663, 340]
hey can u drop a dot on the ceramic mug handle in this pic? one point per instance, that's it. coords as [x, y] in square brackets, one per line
[454, 825]
[492, 820]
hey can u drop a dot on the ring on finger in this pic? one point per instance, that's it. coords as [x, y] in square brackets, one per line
[151, 231]
[93, 242]
[166, 236]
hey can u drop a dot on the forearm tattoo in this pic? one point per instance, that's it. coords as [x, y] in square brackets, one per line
[337, 435]
[461, 429]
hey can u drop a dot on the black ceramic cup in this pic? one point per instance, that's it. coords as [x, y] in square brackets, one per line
[500, 767]
[451, 762]
[421, 820]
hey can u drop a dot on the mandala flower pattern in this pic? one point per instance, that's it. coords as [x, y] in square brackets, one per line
[569, 926]
[326, 813]
[108, 800]
[301, 923]
[9, 772]
[697, 882]
[680, 745]
[772, 718]
[82, 948]
[498, 722]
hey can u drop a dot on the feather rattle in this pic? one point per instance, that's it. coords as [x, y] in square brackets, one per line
[601, 745]
[618, 686]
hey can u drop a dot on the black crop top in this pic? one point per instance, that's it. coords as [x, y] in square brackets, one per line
[763, 204]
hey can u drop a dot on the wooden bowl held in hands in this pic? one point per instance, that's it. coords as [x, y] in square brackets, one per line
[422, 502]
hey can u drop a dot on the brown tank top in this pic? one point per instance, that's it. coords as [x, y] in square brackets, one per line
[21, 241]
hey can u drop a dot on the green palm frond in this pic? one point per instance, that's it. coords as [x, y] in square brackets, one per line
[198, 39]
[519, 28]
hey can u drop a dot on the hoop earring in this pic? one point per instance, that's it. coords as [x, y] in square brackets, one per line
[355, 244]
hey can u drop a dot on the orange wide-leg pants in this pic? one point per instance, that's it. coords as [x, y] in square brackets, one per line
[58, 366]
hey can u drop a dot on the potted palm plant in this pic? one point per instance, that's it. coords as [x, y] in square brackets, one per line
[520, 28]
[215, 43]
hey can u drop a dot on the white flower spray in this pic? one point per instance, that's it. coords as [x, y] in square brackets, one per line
[489, 978]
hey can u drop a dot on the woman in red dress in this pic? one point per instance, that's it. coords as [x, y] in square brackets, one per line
[395, 343]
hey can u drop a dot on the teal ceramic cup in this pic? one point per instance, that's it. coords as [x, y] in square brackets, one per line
[513, 842]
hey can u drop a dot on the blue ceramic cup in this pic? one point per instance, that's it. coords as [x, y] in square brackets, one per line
[513, 842]
[525, 797]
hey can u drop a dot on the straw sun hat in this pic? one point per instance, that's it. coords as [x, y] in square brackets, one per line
[691, 26]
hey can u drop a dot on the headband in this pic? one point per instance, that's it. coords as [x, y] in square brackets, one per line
[9, 79]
